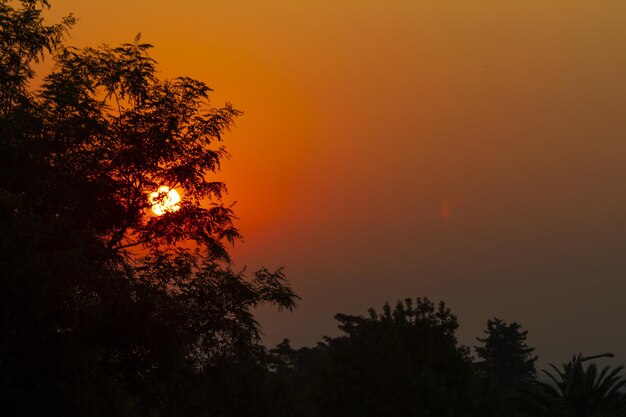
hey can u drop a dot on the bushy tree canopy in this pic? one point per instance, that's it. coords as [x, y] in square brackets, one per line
[403, 361]
[505, 355]
[100, 297]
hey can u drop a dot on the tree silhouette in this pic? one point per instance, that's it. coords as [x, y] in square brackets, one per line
[102, 309]
[506, 368]
[298, 371]
[404, 361]
[506, 358]
[578, 391]
[114, 124]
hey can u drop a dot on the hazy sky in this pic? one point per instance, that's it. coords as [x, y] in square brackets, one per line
[472, 151]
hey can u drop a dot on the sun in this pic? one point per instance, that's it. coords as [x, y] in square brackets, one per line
[164, 200]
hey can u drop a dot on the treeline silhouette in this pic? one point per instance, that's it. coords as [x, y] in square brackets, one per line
[107, 309]
[405, 361]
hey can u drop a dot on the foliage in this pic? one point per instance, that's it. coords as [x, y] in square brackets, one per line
[103, 133]
[403, 361]
[299, 372]
[507, 367]
[578, 391]
[104, 306]
[506, 358]
[24, 39]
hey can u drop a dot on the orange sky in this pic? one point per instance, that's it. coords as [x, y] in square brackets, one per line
[465, 150]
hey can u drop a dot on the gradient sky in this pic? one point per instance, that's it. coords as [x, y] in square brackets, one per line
[471, 151]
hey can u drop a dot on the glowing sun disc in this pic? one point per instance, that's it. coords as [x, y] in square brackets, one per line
[164, 200]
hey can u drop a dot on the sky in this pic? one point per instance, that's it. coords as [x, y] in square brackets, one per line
[470, 151]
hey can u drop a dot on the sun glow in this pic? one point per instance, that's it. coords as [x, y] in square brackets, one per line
[164, 200]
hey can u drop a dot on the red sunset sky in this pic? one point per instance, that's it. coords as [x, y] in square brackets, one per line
[470, 151]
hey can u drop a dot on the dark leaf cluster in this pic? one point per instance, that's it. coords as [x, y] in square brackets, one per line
[105, 307]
